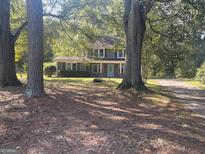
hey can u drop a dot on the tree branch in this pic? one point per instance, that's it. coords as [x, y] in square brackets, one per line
[156, 31]
[17, 32]
[148, 6]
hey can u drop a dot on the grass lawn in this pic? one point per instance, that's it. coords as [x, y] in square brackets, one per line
[110, 82]
[81, 117]
[195, 83]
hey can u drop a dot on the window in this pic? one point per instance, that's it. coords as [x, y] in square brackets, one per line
[71, 67]
[97, 68]
[99, 53]
[74, 67]
[121, 54]
[95, 53]
[68, 67]
[121, 68]
[87, 67]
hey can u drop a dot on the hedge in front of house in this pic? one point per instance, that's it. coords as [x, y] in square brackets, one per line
[74, 74]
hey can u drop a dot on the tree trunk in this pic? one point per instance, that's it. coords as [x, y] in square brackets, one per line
[4, 41]
[35, 86]
[12, 78]
[135, 27]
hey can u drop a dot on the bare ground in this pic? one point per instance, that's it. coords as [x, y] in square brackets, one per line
[92, 119]
[192, 97]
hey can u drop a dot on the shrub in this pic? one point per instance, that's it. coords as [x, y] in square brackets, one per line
[200, 75]
[49, 70]
[97, 80]
[73, 74]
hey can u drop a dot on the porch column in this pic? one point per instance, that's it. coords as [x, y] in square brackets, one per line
[120, 68]
[101, 68]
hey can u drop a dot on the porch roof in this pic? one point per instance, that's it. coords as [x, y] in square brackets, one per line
[69, 59]
[76, 59]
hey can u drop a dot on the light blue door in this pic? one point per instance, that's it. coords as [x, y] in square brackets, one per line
[110, 70]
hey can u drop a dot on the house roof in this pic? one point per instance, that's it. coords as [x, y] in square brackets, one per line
[104, 42]
[108, 40]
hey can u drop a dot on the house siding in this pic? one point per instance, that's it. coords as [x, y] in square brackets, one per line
[110, 54]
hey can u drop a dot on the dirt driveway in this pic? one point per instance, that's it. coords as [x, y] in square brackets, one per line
[192, 97]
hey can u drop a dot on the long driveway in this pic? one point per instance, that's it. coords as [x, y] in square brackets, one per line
[192, 97]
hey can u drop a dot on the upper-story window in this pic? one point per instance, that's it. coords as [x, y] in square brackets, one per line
[121, 54]
[99, 53]
[95, 53]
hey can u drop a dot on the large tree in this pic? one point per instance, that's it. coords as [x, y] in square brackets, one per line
[4, 41]
[13, 37]
[35, 86]
[175, 16]
[135, 27]
[8, 39]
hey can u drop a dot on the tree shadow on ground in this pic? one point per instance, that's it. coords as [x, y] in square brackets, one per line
[192, 98]
[80, 119]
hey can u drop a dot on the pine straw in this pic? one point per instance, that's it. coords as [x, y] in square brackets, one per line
[80, 119]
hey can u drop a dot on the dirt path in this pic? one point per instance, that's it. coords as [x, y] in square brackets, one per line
[192, 97]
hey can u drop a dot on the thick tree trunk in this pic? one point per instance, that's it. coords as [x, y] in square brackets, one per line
[12, 78]
[4, 41]
[135, 30]
[35, 86]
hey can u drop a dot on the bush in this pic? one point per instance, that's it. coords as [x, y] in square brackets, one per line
[73, 74]
[49, 70]
[186, 69]
[200, 75]
[96, 80]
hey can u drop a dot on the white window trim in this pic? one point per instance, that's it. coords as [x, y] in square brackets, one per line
[99, 68]
[123, 53]
[121, 66]
[71, 66]
[99, 53]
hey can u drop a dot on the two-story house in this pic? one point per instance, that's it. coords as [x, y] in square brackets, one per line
[104, 60]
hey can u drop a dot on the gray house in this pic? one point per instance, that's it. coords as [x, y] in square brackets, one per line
[103, 60]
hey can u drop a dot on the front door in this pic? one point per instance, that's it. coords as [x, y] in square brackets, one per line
[110, 70]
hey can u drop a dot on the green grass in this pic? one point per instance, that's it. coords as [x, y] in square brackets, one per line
[108, 82]
[195, 83]
[153, 85]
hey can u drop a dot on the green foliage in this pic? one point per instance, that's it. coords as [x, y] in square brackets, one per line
[200, 75]
[74, 74]
[49, 70]
[173, 40]
[178, 52]
[186, 68]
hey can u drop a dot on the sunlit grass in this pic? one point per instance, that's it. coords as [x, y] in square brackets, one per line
[195, 83]
[111, 82]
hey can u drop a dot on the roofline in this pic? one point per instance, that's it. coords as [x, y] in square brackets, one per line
[92, 61]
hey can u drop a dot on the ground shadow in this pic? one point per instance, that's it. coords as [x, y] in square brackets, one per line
[94, 119]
